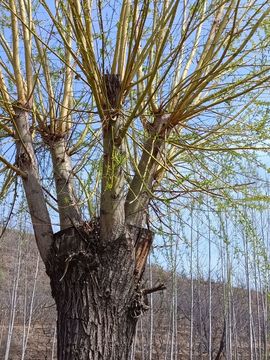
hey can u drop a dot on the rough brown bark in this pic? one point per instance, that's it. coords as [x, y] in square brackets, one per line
[97, 291]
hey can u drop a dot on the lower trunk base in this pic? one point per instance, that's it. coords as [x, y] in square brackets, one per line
[96, 289]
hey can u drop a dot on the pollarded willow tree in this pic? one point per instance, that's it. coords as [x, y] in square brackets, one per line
[106, 107]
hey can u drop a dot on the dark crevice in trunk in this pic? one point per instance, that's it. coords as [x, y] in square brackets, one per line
[97, 291]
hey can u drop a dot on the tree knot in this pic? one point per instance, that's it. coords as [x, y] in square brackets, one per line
[83, 259]
[113, 87]
[23, 160]
[139, 304]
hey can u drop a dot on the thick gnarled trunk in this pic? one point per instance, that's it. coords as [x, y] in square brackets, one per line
[97, 291]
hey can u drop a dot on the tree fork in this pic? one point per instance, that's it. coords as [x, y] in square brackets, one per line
[97, 289]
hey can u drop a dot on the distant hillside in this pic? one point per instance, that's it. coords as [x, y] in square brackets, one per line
[27, 323]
